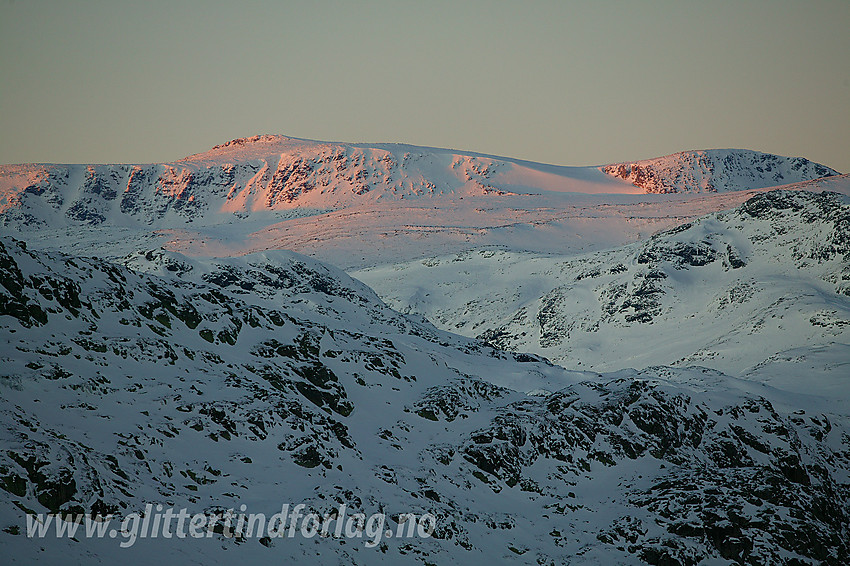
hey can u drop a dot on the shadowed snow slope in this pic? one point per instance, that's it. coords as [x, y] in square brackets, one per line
[273, 379]
[744, 291]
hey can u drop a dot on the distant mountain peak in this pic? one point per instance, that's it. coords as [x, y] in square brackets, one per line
[716, 170]
[254, 139]
[260, 145]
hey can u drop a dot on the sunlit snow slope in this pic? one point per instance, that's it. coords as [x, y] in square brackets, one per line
[272, 173]
[279, 173]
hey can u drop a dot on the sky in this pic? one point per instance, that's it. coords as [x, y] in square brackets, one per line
[570, 83]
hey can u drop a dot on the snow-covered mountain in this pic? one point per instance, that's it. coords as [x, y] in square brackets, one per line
[743, 291]
[716, 170]
[268, 173]
[273, 378]
[276, 173]
[352, 205]
[240, 373]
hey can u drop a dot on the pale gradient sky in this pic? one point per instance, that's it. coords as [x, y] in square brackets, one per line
[572, 83]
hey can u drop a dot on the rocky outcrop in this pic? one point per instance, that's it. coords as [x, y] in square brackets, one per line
[716, 170]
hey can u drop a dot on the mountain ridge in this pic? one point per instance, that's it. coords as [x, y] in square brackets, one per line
[278, 173]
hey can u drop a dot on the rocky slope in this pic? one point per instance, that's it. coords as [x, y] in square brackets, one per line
[716, 170]
[273, 379]
[745, 291]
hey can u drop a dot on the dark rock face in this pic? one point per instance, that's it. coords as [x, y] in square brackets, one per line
[292, 383]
